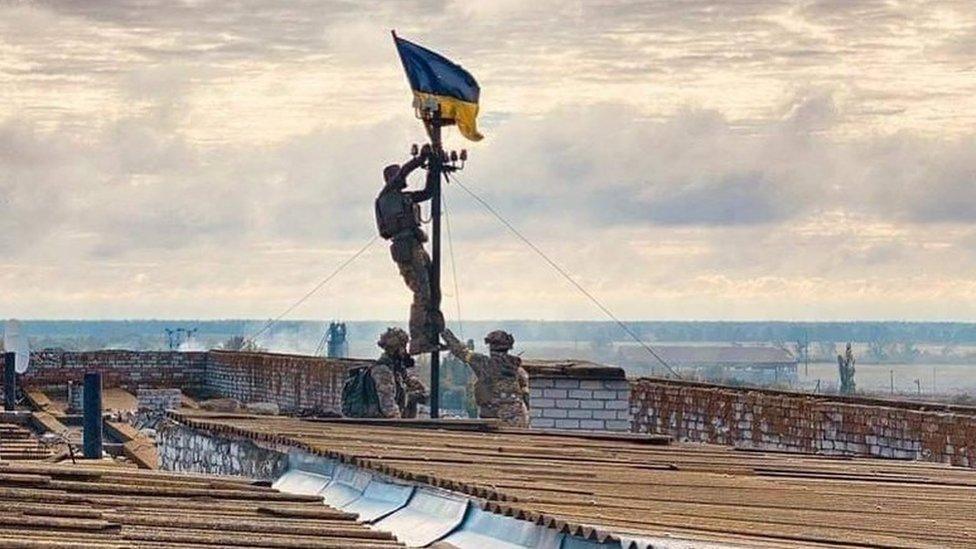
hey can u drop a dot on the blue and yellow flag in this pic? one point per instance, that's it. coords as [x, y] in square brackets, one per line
[433, 77]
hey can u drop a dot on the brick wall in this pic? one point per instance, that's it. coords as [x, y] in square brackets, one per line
[186, 450]
[159, 399]
[796, 422]
[577, 395]
[585, 404]
[127, 369]
[297, 384]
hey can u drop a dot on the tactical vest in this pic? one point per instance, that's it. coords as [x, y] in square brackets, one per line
[508, 365]
[398, 366]
[500, 384]
[395, 213]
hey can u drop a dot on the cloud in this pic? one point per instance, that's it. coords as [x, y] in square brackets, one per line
[735, 205]
[736, 199]
[32, 169]
[701, 159]
[608, 165]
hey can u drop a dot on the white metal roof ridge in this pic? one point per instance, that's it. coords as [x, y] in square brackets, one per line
[420, 515]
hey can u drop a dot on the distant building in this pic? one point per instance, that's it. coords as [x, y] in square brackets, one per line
[716, 363]
[337, 346]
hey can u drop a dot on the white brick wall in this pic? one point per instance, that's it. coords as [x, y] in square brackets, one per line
[580, 404]
[159, 399]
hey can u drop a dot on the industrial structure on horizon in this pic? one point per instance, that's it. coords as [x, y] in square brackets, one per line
[749, 365]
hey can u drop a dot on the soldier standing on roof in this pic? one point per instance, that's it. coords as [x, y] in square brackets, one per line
[502, 384]
[398, 220]
[398, 387]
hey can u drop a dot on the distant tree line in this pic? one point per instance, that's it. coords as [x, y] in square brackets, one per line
[883, 338]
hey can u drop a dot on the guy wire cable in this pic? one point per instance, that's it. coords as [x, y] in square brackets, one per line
[565, 275]
[450, 248]
[322, 342]
[317, 287]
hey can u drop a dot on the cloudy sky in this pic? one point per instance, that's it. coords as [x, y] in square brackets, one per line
[694, 159]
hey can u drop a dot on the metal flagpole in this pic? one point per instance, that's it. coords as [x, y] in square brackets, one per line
[435, 164]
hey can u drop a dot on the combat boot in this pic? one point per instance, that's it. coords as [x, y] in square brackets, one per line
[437, 319]
[419, 346]
[421, 343]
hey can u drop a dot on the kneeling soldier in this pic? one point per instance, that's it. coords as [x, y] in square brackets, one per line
[398, 387]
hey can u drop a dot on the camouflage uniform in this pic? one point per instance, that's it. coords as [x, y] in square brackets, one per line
[398, 220]
[523, 381]
[398, 387]
[415, 392]
[387, 389]
[501, 389]
[414, 265]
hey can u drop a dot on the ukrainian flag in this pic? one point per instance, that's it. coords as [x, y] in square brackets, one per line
[435, 78]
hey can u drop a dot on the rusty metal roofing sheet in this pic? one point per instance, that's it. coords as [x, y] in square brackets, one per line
[84, 505]
[625, 489]
[19, 443]
[118, 399]
[137, 447]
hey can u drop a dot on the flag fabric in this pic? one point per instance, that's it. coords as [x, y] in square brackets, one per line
[433, 77]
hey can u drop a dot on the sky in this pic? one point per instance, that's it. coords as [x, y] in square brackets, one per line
[696, 159]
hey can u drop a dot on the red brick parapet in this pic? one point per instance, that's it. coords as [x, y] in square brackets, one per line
[797, 422]
[296, 383]
[119, 368]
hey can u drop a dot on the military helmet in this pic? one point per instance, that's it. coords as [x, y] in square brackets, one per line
[499, 340]
[390, 172]
[393, 338]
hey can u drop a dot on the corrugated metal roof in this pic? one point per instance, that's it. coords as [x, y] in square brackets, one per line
[690, 355]
[106, 504]
[94, 505]
[18, 443]
[615, 489]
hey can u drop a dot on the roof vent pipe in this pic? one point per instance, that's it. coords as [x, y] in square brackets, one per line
[92, 398]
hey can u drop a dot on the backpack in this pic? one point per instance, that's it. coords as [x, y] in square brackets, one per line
[395, 212]
[359, 396]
